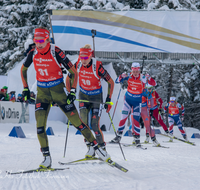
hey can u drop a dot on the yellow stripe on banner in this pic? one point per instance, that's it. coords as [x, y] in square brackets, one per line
[121, 21]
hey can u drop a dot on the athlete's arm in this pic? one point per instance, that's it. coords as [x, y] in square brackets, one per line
[104, 74]
[159, 99]
[62, 59]
[24, 68]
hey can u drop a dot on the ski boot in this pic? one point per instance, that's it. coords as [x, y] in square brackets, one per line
[169, 135]
[101, 152]
[136, 139]
[91, 152]
[147, 138]
[47, 158]
[117, 138]
[185, 137]
[46, 163]
[155, 142]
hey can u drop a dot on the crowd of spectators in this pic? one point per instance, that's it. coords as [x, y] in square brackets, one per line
[5, 96]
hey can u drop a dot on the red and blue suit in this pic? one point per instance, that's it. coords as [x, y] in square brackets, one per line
[155, 109]
[174, 116]
[133, 100]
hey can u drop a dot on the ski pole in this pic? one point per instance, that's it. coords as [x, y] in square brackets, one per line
[115, 106]
[93, 35]
[116, 134]
[110, 103]
[66, 138]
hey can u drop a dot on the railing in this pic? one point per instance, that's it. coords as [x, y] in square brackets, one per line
[164, 58]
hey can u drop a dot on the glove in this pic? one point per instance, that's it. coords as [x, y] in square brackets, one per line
[71, 96]
[151, 113]
[147, 76]
[107, 106]
[160, 110]
[26, 93]
[182, 118]
[124, 75]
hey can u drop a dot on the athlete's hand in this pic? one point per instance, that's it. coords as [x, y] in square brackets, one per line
[182, 118]
[107, 106]
[71, 96]
[26, 93]
[147, 76]
[124, 75]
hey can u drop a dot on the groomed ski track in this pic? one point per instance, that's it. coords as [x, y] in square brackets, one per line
[156, 168]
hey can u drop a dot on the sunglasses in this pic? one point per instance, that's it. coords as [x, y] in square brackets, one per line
[40, 41]
[172, 101]
[85, 58]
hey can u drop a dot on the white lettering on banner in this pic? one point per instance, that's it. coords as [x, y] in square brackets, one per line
[16, 112]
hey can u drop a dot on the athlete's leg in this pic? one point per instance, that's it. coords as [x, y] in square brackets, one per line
[146, 118]
[42, 108]
[95, 123]
[158, 117]
[171, 124]
[124, 116]
[180, 126]
[59, 96]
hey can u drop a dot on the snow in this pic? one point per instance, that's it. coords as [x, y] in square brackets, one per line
[154, 168]
[171, 168]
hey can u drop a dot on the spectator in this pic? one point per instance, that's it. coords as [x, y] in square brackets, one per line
[6, 98]
[2, 95]
[20, 98]
[32, 98]
[12, 96]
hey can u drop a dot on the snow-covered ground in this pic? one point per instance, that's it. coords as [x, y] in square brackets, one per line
[152, 169]
[171, 168]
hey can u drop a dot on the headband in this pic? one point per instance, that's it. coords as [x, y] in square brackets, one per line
[85, 51]
[41, 32]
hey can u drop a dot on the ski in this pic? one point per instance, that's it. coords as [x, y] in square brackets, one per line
[79, 160]
[110, 142]
[146, 142]
[140, 147]
[173, 137]
[116, 165]
[109, 162]
[161, 146]
[168, 141]
[36, 170]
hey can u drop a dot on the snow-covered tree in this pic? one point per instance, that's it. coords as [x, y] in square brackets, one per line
[19, 18]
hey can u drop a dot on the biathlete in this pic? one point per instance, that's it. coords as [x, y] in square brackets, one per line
[133, 100]
[145, 115]
[47, 60]
[90, 72]
[173, 116]
[155, 111]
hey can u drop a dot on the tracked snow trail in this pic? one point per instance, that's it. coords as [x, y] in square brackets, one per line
[155, 168]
